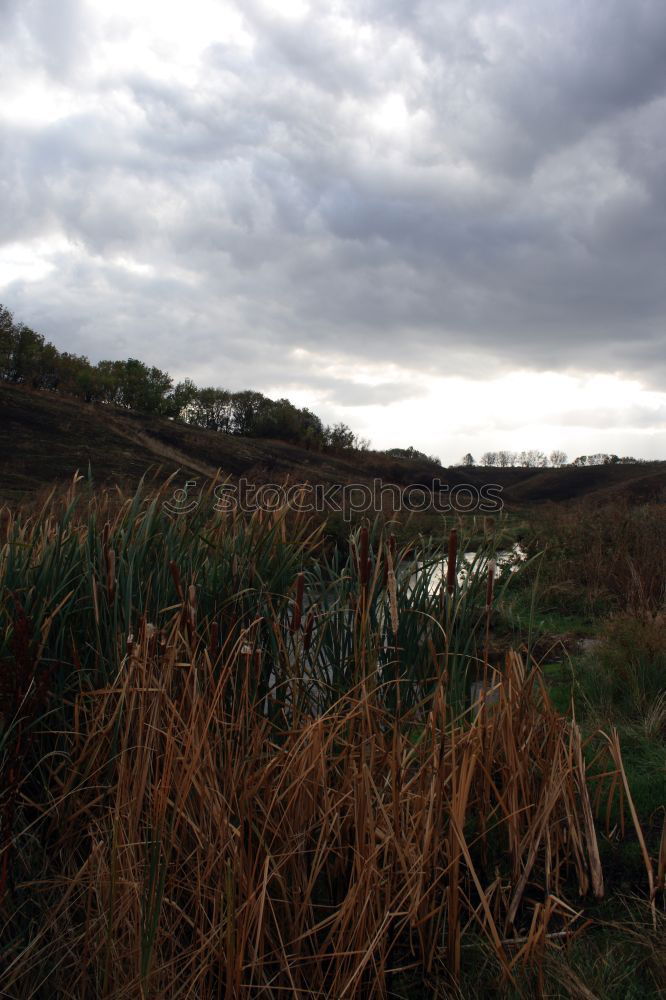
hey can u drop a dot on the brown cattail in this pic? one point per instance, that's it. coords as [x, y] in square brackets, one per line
[451, 562]
[191, 610]
[390, 559]
[490, 584]
[175, 573]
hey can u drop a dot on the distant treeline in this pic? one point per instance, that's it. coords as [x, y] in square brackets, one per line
[534, 459]
[26, 358]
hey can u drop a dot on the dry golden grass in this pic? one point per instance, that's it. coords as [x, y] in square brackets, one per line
[198, 851]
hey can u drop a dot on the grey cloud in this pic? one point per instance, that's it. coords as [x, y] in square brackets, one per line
[520, 222]
[41, 35]
[309, 51]
[633, 418]
[344, 392]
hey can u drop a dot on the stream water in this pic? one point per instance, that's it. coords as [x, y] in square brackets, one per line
[511, 558]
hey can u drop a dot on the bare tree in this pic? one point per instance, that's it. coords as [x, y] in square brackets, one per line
[558, 459]
[489, 458]
[533, 459]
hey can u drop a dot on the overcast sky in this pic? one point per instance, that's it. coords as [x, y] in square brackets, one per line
[441, 221]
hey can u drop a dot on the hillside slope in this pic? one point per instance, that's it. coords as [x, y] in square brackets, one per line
[635, 482]
[46, 437]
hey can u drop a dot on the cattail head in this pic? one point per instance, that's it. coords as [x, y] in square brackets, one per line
[390, 559]
[175, 574]
[191, 610]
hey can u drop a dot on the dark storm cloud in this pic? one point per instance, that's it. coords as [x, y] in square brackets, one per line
[506, 208]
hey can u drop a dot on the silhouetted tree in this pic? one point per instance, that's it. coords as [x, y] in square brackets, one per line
[7, 339]
[532, 459]
[244, 408]
[412, 453]
[340, 437]
[210, 408]
[25, 357]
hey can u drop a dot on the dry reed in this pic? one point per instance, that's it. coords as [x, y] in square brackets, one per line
[198, 851]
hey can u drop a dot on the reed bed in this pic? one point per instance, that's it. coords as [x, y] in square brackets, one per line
[86, 569]
[235, 767]
[187, 846]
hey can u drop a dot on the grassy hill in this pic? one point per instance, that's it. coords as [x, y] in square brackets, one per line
[45, 437]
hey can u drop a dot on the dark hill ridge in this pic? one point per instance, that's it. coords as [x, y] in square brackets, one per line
[643, 482]
[45, 437]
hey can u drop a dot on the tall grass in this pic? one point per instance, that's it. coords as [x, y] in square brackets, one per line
[626, 674]
[235, 765]
[186, 846]
[87, 569]
[601, 558]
